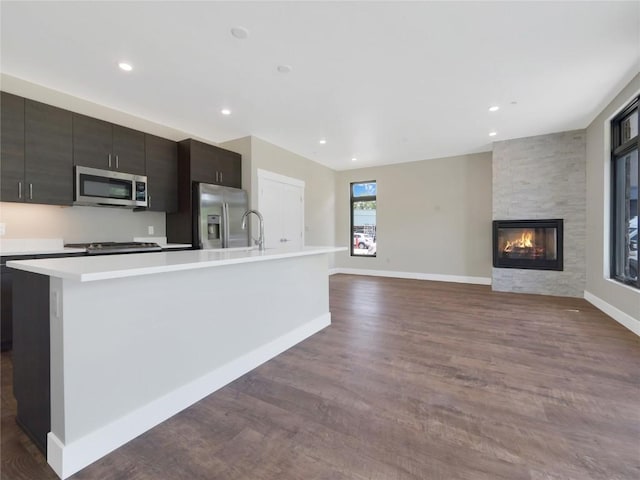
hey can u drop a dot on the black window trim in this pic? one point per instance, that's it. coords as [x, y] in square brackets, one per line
[619, 149]
[353, 199]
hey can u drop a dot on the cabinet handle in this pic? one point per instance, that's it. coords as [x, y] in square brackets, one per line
[19, 189]
[109, 160]
[117, 162]
[149, 201]
[216, 177]
[31, 191]
[220, 177]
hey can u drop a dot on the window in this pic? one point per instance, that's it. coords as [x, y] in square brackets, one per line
[363, 219]
[625, 177]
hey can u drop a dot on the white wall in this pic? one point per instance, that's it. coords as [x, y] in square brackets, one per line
[434, 217]
[78, 224]
[621, 297]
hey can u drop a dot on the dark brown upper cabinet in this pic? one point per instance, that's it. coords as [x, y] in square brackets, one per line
[162, 173]
[210, 164]
[203, 163]
[100, 144]
[36, 152]
[48, 154]
[11, 148]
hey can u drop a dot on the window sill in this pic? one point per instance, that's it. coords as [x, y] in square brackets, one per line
[623, 285]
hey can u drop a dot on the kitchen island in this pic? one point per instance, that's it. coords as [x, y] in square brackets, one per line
[136, 338]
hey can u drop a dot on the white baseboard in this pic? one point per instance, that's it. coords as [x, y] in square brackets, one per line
[618, 315]
[67, 459]
[413, 275]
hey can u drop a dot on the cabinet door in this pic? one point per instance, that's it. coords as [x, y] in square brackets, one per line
[229, 167]
[202, 162]
[6, 323]
[48, 154]
[92, 140]
[162, 173]
[31, 355]
[12, 148]
[128, 150]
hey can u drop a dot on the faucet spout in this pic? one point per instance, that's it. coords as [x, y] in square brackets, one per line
[261, 220]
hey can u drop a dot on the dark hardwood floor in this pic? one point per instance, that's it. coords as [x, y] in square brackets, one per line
[413, 380]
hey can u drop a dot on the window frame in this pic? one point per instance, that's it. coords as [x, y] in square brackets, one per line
[352, 200]
[620, 149]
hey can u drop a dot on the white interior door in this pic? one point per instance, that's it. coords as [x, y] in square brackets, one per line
[281, 202]
[292, 214]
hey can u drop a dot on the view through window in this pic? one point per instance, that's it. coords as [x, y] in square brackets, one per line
[625, 179]
[363, 218]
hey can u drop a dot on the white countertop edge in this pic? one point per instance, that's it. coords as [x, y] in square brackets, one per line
[51, 251]
[169, 246]
[39, 266]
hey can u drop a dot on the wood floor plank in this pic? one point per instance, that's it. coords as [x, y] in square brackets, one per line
[413, 380]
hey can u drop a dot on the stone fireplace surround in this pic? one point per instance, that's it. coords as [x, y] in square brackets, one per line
[539, 178]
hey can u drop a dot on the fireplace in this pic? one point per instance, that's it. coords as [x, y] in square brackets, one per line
[534, 244]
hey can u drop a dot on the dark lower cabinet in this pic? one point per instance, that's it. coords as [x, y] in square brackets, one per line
[6, 307]
[6, 300]
[31, 362]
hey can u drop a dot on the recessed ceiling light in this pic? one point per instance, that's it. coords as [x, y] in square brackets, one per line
[225, 111]
[125, 66]
[284, 68]
[493, 134]
[494, 108]
[323, 141]
[240, 32]
[354, 159]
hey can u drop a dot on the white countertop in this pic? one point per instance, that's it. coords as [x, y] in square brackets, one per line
[103, 267]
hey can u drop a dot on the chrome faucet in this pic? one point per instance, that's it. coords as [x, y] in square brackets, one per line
[260, 240]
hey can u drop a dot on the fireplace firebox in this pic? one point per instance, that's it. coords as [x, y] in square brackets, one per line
[533, 244]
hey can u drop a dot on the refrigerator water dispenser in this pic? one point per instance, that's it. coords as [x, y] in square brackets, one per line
[213, 227]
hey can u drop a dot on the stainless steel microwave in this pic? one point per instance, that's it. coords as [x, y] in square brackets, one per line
[106, 188]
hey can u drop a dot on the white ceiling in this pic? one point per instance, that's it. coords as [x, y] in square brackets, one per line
[385, 82]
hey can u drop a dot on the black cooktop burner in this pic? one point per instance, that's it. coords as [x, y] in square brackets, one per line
[103, 248]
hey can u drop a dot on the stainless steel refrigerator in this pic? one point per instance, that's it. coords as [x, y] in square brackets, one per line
[218, 216]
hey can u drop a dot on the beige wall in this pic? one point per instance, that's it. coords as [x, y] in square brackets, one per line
[319, 202]
[78, 224]
[619, 296]
[433, 216]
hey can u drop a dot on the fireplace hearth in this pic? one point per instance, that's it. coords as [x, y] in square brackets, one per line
[528, 244]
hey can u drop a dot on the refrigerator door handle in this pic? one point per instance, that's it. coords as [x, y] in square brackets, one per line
[225, 214]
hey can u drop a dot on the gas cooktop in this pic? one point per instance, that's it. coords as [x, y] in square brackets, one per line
[103, 248]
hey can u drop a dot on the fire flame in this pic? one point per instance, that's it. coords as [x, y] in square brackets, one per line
[523, 242]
